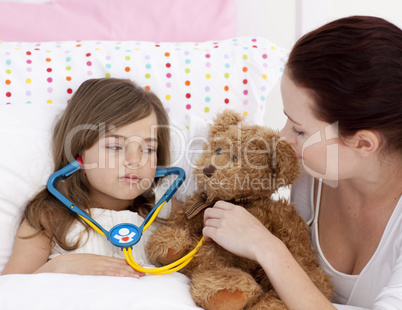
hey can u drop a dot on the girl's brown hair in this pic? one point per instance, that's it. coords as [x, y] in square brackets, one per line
[97, 105]
[353, 68]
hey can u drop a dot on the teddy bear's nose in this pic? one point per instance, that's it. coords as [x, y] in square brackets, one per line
[209, 170]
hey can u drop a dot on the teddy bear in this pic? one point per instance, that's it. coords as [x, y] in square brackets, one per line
[243, 164]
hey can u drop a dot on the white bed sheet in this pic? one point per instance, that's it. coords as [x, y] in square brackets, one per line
[49, 291]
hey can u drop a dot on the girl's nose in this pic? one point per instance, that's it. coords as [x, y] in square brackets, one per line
[132, 158]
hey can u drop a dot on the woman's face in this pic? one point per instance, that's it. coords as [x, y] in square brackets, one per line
[121, 165]
[315, 142]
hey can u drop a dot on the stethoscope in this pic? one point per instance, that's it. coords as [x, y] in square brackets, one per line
[126, 235]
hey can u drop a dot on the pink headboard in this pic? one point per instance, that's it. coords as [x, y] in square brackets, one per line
[146, 20]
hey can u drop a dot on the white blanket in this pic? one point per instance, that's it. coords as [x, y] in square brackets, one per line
[73, 292]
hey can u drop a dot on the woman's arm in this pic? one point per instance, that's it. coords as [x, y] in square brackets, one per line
[292, 284]
[235, 229]
[31, 256]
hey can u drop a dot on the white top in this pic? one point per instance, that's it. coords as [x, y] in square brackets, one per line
[379, 285]
[94, 243]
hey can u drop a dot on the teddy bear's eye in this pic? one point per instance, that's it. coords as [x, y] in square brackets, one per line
[234, 158]
[218, 151]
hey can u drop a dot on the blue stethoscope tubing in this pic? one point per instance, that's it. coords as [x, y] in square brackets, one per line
[129, 229]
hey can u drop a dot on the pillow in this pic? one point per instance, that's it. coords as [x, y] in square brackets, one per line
[190, 78]
[156, 20]
[25, 163]
[193, 80]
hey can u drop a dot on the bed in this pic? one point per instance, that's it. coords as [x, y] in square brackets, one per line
[197, 71]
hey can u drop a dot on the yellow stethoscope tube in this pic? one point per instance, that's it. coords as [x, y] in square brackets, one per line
[175, 266]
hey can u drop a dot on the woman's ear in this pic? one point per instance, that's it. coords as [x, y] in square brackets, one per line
[365, 142]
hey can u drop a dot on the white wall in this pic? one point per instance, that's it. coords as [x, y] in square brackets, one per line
[272, 19]
[388, 9]
[319, 12]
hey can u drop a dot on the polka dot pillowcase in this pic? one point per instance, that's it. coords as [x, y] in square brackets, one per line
[189, 78]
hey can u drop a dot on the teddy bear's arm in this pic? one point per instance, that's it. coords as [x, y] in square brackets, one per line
[176, 238]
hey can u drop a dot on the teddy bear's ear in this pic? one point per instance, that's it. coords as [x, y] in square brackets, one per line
[285, 163]
[225, 119]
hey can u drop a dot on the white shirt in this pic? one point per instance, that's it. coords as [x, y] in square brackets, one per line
[379, 285]
[94, 243]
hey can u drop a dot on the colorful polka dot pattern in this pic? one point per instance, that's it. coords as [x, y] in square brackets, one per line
[199, 78]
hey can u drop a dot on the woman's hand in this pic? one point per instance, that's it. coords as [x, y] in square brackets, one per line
[90, 264]
[236, 230]
[239, 232]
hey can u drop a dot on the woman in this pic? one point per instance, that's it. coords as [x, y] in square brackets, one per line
[342, 94]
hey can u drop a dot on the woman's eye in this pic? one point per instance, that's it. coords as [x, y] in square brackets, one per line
[297, 132]
[218, 151]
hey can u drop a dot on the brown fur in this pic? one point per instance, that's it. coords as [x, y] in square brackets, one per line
[219, 279]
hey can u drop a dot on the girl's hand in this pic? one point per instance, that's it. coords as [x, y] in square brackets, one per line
[90, 264]
[236, 230]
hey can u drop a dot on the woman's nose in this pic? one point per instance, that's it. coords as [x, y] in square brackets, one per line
[286, 133]
[282, 132]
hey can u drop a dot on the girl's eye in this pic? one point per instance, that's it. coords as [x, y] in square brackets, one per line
[234, 158]
[297, 132]
[115, 147]
[149, 150]
[218, 151]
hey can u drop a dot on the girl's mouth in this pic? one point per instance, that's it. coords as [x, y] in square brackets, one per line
[130, 178]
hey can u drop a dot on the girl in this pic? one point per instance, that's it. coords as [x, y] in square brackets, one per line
[342, 94]
[120, 132]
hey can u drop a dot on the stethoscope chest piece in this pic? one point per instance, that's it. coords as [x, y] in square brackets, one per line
[124, 235]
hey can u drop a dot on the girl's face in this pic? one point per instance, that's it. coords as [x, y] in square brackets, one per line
[315, 142]
[121, 165]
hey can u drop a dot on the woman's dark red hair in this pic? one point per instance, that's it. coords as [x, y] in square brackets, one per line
[353, 68]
